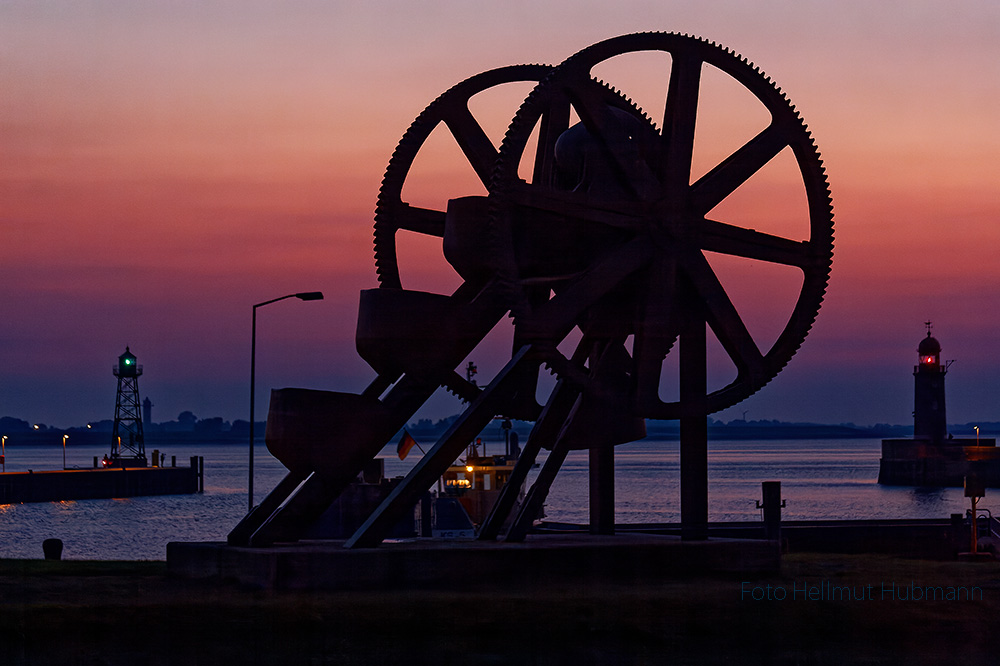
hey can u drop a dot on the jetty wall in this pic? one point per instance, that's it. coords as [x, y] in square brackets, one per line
[80, 484]
[914, 462]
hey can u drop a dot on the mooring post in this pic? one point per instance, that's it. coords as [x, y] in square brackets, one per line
[602, 489]
[772, 505]
[426, 516]
[973, 547]
[52, 549]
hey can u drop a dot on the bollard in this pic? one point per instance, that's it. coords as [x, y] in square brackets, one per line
[156, 458]
[95, 462]
[173, 461]
[52, 549]
[426, 519]
[772, 505]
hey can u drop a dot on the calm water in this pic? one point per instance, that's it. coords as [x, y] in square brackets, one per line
[819, 479]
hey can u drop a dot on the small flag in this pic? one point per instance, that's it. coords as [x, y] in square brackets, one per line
[405, 444]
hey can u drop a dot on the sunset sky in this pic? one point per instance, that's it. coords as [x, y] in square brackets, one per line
[165, 165]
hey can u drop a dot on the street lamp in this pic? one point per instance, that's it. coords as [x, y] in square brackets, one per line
[302, 296]
[977, 434]
[3, 453]
[65, 437]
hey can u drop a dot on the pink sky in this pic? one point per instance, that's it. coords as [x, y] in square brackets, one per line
[163, 166]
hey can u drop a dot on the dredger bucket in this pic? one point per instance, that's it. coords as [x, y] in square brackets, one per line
[327, 432]
[416, 332]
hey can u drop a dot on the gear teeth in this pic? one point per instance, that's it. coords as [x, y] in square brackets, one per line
[456, 393]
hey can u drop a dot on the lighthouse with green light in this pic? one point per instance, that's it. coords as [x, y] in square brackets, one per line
[128, 448]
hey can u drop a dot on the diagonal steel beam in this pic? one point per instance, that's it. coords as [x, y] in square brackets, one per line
[532, 504]
[240, 535]
[544, 432]
[426, 472]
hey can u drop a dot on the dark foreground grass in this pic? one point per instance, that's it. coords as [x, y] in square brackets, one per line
[133, 613]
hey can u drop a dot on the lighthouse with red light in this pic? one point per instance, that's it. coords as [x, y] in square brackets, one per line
[929, 421]
[934, 458]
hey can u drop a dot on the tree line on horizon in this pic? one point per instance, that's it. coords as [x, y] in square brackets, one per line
[186, 422]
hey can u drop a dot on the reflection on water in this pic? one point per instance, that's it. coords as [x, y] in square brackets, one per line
[821, 479]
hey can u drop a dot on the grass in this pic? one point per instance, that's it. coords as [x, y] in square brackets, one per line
[133, 613]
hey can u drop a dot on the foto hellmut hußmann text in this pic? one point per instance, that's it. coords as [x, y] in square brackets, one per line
[883, 591]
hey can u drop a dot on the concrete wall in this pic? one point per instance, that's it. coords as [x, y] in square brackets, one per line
[78, 484]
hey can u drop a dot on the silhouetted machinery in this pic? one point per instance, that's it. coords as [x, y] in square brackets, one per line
[600, 250]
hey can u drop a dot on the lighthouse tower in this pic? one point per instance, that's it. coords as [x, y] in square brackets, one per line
[929, 423]
[128, 448]
[933, 458]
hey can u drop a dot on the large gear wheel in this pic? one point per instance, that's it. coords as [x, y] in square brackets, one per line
[451, 109]
[659, 218]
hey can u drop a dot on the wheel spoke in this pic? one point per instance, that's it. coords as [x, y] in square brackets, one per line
[751, 244]
[421, 220]
[473, 141]
[623, 148]
[679, 124]
[655, 329]
[579, 206]
[736, 169]
[722, 316]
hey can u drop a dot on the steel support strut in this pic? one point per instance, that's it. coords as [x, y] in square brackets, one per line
[430, 468]
[544, 433]
[694, 428]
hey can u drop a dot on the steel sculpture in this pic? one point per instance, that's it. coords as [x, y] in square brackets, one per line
[607, 236]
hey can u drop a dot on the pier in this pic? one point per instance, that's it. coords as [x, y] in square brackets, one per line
[80, 484]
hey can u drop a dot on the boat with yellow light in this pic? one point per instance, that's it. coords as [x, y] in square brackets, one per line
[477, 479]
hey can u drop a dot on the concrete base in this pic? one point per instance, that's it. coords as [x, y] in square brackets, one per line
[432, 562]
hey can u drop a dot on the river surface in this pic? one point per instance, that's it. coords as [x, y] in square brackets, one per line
[820, 479]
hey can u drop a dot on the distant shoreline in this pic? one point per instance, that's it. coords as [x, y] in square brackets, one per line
[423, 431]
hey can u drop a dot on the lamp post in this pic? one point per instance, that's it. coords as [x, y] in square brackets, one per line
[977, 434]
[302, 296]
[65, 437]
[3, 453]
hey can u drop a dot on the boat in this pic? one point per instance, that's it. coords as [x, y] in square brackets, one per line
[476, 480]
